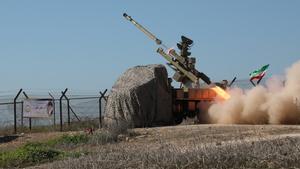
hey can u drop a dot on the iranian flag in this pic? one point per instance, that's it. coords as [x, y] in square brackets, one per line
[260, 73]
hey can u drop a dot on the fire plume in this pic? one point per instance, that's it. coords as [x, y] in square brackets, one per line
[221, 93]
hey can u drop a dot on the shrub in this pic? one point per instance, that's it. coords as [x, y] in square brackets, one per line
[103, 137]
[73, 139]
[29, 154]
[69, 140]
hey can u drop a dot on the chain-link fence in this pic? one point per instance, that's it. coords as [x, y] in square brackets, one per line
[71, 112]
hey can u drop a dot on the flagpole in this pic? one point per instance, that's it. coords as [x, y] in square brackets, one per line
[252, 83]
[259, 80]
[260, 73]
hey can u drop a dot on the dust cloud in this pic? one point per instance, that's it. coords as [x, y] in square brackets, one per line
[274, 103]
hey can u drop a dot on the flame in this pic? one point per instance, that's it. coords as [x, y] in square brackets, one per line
[222, 93]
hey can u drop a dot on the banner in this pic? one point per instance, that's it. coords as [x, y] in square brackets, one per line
[38, 108]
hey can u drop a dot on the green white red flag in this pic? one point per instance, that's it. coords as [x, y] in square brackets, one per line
[260, 73]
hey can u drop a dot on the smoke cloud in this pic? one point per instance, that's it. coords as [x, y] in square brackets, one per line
[276, 103]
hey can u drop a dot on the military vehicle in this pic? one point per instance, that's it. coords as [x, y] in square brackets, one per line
[191, 99]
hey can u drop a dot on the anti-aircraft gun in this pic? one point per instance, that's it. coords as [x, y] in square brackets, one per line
[191, 100]
[182, 64]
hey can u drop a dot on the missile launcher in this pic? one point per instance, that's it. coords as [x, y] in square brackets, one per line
[191, 100]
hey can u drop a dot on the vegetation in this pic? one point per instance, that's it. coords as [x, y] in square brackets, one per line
[74, 126]
[280, 153]
[29, 154]
[58, 148]
[69, 140]
[203, 147]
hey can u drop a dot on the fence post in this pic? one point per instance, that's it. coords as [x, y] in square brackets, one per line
[53, 99]
[26, 96]
[68, 105]
[15, 111]
[60, 108]
[74, 114]
[102, 96]
[232, 81]
[259, 81]
[22, 114]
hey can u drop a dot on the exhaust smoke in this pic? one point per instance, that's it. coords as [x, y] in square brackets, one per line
[277, 103]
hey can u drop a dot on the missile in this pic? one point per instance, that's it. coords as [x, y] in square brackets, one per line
[140, 27]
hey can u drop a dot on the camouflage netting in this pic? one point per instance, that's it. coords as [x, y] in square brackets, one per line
[141, 97]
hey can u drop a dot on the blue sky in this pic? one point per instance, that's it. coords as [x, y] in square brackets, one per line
[86, 45]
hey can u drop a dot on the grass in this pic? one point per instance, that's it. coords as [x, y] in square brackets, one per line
[260, 151]
[281, 153]
[81, 151]
[74, 126]
[29, 154]
[58, 148]
[67, 145]
[104, 137]
[70, 140]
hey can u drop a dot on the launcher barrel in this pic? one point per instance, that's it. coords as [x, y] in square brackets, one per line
[140, 27]
[184, 66]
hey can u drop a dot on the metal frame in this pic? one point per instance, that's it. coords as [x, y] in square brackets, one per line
[60, 108]
[62, 98]
[53, 100]
[15, 111]
[102, 96]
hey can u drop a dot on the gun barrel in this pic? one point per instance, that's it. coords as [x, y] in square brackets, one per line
[140, 27]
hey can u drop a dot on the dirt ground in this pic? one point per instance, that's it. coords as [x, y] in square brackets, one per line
[10, 142]
[189, 136]
[164, 142]
[214, 133]
[183, 135]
